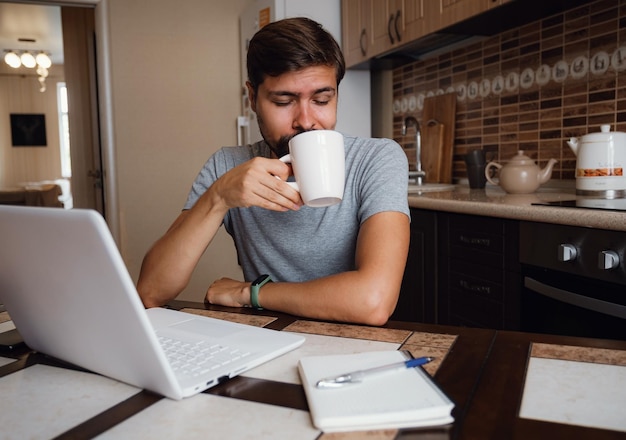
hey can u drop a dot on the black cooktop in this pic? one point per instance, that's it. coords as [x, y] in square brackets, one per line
[585, 203]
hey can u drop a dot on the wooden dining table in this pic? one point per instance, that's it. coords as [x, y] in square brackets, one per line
[483, 371]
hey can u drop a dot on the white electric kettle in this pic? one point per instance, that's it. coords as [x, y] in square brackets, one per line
[600, 163]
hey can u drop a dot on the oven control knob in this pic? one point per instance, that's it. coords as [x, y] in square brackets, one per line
[567, 252]
[608, 260]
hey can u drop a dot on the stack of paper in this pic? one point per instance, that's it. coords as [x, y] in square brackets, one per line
[397, 399]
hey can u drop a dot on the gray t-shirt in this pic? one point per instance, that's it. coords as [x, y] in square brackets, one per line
[311, 243]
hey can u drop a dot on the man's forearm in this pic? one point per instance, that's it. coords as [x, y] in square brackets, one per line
[345, 297]
[163, 275]
[169, 264]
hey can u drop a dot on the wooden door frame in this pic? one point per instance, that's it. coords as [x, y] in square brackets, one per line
[80, 76]
[105, 106]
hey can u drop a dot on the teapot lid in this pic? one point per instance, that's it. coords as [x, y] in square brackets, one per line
[605, 135]
[521, 159]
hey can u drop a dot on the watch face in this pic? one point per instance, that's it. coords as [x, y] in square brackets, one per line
[260, 279]
[254, 290]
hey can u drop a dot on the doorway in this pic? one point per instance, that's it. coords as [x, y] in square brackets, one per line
[74, 46]
[79, 50]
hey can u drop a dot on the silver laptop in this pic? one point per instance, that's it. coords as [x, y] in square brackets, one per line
[69, 294]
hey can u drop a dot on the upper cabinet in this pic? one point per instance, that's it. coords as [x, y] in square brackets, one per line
[414, 18]
[395, 22]
[356, 30]
[449, 12]
[386, 25]
[374, 27]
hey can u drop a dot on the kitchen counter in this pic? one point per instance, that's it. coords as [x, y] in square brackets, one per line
[494, 202]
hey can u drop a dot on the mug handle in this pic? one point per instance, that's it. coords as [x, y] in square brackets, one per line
[287, 159]
[488, 171]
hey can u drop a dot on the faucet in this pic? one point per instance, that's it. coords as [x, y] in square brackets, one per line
[408, 121]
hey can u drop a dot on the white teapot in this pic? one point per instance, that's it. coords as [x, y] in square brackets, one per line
[600, 162]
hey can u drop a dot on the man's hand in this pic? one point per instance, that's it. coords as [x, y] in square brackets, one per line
[229, 292]
[255, 183]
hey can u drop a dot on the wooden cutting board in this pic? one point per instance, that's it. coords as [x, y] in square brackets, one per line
[432, 147]
[438, 122]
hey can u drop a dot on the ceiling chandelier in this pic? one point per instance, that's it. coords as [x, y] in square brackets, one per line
[41, 61]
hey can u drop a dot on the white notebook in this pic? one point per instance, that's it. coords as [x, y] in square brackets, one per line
[397, 399]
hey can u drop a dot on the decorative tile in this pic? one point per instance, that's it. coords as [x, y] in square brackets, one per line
[431, 340]
[285, 368]
[389, 434]
[582, 354]
[575, 393]
[255, 320]
[350, 331]
[210, 416]
[43, 402]
[558, 72]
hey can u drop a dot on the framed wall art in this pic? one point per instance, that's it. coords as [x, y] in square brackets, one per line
[28, 130]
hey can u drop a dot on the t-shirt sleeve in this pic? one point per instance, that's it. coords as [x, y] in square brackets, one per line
[218, 164]
[205, 178]
[384, 180]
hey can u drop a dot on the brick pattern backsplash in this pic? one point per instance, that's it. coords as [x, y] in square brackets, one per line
[530, 88]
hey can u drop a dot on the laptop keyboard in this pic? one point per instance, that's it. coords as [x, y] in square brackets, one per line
[197, 358]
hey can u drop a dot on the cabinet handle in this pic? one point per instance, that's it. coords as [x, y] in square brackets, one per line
[477, 288]
[398, 16]
[389, 23]
[363, 42]
[475, 240]
[574, 299]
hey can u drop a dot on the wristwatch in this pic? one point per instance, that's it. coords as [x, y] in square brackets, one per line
[254, 290]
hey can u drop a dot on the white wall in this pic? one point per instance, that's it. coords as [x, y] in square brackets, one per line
[175, 73]
[19, 93]
[175, 93]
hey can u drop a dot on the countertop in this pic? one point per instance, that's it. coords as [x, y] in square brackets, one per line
[492, 201]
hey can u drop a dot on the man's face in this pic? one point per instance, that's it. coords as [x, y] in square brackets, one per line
[295, 102]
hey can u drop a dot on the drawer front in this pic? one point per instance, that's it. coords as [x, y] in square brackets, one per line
[476, 241]
[486, 225]
[493, 260]
[465, 235]
[475, 309]
[486, 241]
[462, 284]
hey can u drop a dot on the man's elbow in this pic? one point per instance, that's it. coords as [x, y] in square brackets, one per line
[147, 298]
[379, 306]
[377, 319]
[149, 295]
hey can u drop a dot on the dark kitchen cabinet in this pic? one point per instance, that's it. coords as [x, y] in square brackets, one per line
[417, 301]
[478, 271]
[461, 270]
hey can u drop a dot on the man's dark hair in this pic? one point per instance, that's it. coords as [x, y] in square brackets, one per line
[290, 45]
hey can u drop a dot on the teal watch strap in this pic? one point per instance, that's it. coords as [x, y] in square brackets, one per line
[254, 290]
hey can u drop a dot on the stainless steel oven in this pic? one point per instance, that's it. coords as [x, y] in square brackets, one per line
[574, 280]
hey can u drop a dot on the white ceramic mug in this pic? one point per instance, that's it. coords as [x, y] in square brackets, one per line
[318, 161]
